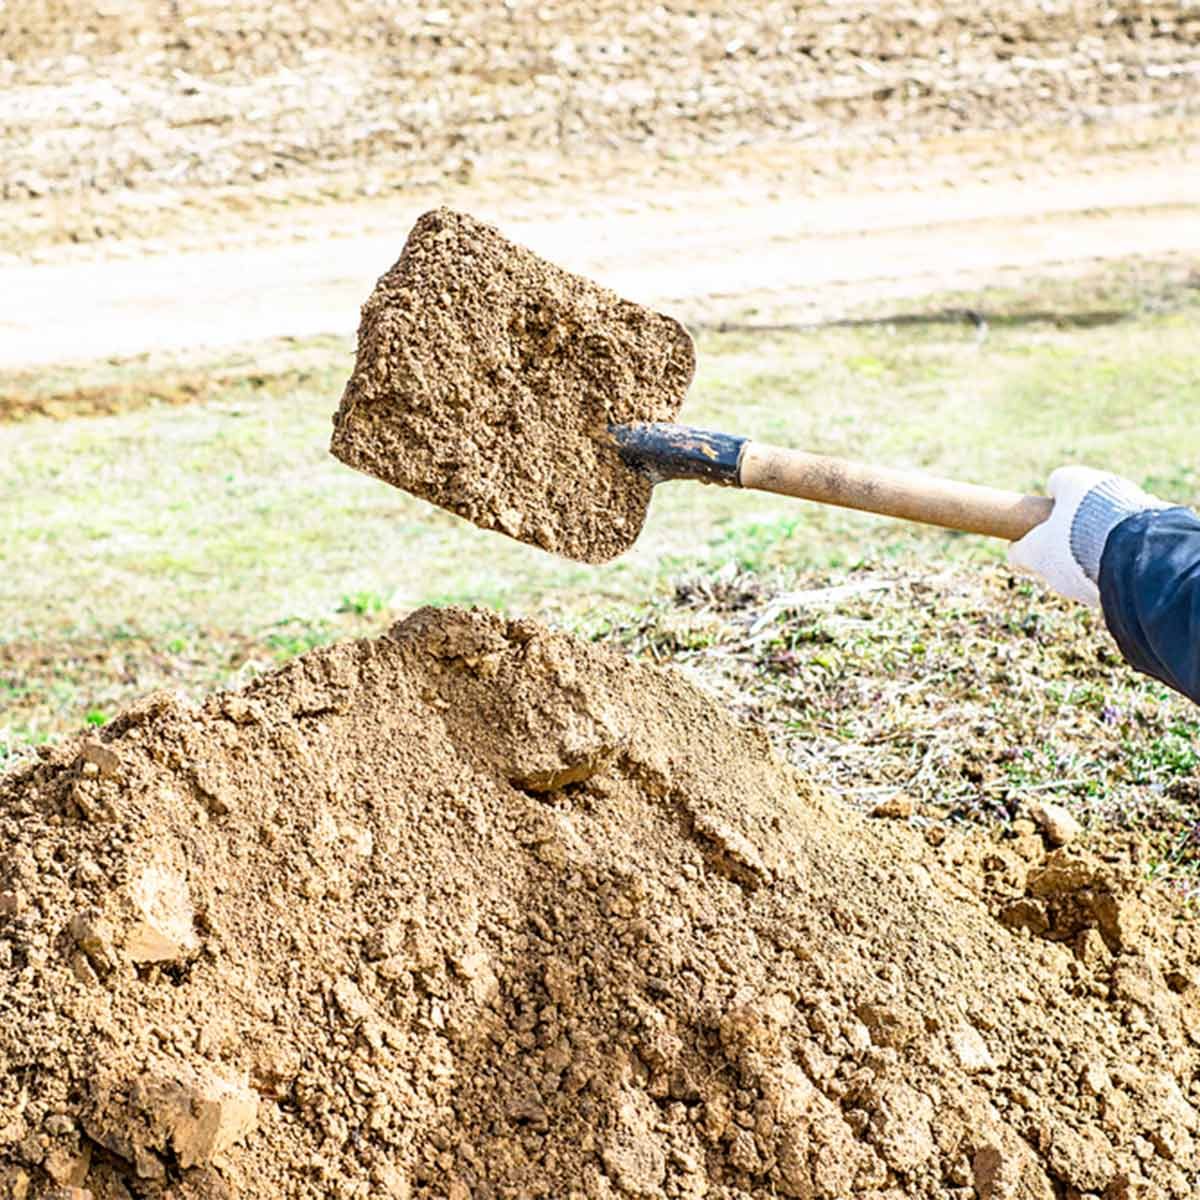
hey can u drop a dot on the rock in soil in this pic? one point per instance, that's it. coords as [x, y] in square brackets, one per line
[478, 910]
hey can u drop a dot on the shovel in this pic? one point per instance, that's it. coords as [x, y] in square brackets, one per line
[534, 402]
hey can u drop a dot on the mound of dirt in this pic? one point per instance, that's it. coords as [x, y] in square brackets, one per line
[486, 378]
[477, 910]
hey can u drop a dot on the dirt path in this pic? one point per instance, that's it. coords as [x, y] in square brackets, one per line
[703, 252]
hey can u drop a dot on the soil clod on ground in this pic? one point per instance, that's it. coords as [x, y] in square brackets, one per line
[475, 909]
[486, 378]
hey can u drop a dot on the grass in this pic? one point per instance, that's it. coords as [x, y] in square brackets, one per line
[192, 543]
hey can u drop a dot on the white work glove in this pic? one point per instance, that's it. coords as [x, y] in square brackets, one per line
[1065, 549]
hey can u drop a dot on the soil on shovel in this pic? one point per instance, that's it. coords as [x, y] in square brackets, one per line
[476, 910]
[486, 377]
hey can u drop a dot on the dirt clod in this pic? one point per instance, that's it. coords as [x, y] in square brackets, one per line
[896, 808]
[1059, 826]
[390, 965]
[486, 378]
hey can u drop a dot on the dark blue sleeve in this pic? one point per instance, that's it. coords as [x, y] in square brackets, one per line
[1150, 593]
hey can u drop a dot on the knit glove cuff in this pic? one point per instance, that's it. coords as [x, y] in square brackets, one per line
[1104, 507]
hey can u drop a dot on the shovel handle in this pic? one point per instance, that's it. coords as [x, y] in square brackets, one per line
[905, 494]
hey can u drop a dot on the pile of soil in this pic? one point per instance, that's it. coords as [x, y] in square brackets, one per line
[486, 378]
[160, 102]
[478, 910]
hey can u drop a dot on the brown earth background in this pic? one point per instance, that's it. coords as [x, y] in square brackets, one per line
[477, 910]
[112, 112]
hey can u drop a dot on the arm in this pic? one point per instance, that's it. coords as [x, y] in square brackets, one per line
[1108, 543]
[1150, 593]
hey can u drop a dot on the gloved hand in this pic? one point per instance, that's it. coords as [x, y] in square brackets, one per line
[1065, 549]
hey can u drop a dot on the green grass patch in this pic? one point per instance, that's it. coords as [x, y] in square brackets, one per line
[232, 512]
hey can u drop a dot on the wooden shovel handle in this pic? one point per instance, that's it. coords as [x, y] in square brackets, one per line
[905, 494]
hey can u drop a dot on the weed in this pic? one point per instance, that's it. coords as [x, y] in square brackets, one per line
[1161, 758]
[296, 636]
[362, 603]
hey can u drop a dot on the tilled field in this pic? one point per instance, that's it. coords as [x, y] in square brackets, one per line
[361, 95]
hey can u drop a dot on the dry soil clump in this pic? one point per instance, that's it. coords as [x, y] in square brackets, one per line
[476, 910]
[485, 380]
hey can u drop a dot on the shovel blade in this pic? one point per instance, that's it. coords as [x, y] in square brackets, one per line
[486, 379]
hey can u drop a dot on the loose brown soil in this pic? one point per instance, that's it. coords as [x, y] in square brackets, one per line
[477, 910]
[485, 380]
